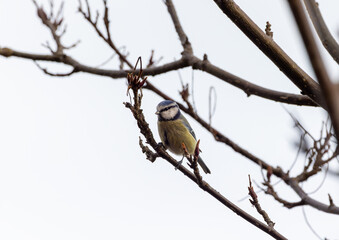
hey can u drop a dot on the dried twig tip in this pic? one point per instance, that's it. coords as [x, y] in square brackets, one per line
[136, 82]
[251, 191]
[268, 29]
[331, 200]
[184, 92]
[185, 149]
[269, 173]
[197, 150]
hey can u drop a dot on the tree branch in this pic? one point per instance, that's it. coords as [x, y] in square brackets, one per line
[188, 59]
[310, 201]
[180, 31]
[327, 87]
[320, 26]
[108, 37]
[55, 74]
[256, 204]
[152, 71]
[266, 44]
[270, 190]
[247, 87]
[250, 88]
[53, 23]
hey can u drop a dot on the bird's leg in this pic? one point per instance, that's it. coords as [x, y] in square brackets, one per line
[185, 153]
[180, 162]
[160, 144]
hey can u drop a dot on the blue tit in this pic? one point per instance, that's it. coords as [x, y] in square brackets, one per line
[174, 130]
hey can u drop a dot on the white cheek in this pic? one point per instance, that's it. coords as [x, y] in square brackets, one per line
[170, 113]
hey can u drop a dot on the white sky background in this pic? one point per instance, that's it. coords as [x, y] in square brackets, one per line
[70, 163]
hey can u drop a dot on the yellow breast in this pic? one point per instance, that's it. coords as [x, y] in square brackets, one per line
[173, 134]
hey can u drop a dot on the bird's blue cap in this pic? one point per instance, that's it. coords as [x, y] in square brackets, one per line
[165, 103]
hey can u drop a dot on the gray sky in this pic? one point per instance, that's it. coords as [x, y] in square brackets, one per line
[70, 164]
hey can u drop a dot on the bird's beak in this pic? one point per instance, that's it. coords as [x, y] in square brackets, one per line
[157, 112]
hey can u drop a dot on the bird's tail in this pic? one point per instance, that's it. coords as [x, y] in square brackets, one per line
[203, 165]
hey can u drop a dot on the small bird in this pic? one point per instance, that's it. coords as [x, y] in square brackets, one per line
[174, 130]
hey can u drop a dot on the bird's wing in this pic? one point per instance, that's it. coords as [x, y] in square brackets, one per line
[186, 123]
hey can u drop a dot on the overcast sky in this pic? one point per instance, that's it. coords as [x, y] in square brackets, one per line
[70, 163]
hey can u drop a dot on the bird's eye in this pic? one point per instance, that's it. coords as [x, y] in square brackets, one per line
[167, 108]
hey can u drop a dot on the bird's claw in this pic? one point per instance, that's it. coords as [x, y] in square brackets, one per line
[160, 144]
[179, 164]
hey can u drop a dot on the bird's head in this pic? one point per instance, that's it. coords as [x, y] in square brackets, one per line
[168, 110]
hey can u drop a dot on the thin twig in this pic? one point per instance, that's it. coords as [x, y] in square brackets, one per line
[255, 202]
[192, 92]
[211, 110]
[53, 23]
[310, 226]
[55, 74]
[270, 191]
[182, 35]
[108, 37]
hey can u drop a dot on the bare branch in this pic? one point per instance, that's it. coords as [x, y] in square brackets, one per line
[108, 37]
[53, 23]
[211, 110]
[106, 61]
[148, 152]
[256, 204]
[266, 44]
[319, 154]
[187, 60]
[310, 201]
[250, 88]
[310, 226]
[320, 26]
[327, 87]
[270, 191]
[180, 31]
[152, 71]
[72, 45]
[55, 74]
[204, 65]
[152, 61]
[48, 46]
